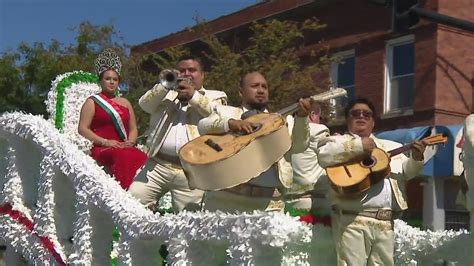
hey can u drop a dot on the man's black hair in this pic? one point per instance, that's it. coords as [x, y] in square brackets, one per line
[362, 101]
[241, 82]
[191, 57]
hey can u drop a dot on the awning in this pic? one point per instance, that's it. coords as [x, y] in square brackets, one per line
[440, 160]
[405, 135]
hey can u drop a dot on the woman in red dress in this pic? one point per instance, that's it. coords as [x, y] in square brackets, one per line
[109, 122]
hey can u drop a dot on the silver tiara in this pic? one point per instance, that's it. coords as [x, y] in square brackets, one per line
[106, 60]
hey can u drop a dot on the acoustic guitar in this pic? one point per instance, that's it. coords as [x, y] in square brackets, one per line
[215, 162]
[357, 176]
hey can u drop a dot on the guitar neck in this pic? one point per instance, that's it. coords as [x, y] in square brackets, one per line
[428, 141]
[288, 110]
[403, 148]
[333, 93]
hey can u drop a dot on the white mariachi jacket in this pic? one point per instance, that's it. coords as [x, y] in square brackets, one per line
[335, 150]
[217, 122]
[468, 159]
[162, 105]
[306, 170]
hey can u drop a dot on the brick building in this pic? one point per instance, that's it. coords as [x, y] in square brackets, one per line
[420, 80]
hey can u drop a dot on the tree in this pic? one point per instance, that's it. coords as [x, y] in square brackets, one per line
[10, 83]
[272, 47]
[26, 73]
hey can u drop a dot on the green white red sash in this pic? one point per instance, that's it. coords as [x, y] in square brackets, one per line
[114, 115]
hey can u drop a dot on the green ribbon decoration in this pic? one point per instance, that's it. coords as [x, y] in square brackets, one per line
[65, 83]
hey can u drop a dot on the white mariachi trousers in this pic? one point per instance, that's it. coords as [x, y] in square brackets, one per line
[159, 177]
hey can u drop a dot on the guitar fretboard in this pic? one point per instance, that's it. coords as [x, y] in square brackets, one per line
[337, 92]
[403, 148]
[429, 141]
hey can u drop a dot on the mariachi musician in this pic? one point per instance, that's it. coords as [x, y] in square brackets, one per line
[363, 223]
[264, 191]
[175, 106]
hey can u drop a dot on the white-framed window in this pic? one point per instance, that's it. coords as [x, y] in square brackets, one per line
[399, 74]
[343, 76]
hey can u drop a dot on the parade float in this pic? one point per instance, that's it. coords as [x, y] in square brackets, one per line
[57, 206]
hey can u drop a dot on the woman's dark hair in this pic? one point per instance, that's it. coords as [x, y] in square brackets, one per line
[362, 101]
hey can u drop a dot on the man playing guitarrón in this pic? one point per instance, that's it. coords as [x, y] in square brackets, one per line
[263, 191]
[363, 223]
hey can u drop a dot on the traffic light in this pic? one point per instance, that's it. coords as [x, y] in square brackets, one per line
[407, 13]
[403, 14]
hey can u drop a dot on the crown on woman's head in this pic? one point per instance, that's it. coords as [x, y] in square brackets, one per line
[106, 60]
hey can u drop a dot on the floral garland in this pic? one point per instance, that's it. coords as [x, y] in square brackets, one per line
[413, 245]
[134, 220]
[27, 236]
[246, 233]
[309, 217]
[7, 209]
[65, 99]
[61, 84]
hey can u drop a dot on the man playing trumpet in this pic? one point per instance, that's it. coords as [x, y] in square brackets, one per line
[175, 112]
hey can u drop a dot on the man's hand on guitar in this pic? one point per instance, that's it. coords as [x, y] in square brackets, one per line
[239, 126]
[417, 150]
[304, 107]
[368, 144]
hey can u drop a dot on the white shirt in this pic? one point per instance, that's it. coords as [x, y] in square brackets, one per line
[177, 135]
[378, 196]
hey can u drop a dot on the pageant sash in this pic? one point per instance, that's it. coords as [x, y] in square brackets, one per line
[108, 106]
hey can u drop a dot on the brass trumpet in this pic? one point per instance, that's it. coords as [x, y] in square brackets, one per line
[169, 79]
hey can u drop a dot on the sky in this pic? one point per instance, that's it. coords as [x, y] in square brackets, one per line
[137, 21]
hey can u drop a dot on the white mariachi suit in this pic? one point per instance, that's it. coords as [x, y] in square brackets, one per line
[310, 184]
[468, 162]
[279, 176]
[163, 173]
[363, 240]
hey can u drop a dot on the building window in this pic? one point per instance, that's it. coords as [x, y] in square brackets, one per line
[400, 70]
[342, 76]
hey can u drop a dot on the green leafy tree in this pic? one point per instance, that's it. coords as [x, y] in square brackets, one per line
[141, 72]
[272, 47]
[27, 72]
[10, 83]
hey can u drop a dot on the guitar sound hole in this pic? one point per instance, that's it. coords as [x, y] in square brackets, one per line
[368, 162]
[256, 126]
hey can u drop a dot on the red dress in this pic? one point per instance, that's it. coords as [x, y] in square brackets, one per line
[122, 163]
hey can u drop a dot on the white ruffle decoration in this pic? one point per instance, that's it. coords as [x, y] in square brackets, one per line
[246, 235]
[74, 97]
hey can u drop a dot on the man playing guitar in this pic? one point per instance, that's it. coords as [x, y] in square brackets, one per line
[363, 223]
[263, 191]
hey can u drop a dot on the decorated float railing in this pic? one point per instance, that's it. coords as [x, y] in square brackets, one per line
[57, 206]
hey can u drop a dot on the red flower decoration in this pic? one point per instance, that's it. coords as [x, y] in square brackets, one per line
[309, 218]
[7, 209]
